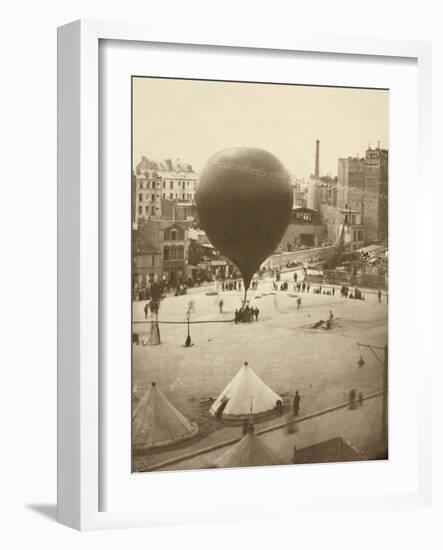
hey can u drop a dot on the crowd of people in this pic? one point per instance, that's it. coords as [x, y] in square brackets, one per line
[246, 314]
[233, 284]
[357, 295]
[330, 291]
[303, 286]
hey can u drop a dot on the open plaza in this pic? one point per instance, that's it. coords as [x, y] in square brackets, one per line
[284, 351]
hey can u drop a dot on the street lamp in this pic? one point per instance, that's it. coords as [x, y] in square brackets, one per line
[188, 342]
[384, 363]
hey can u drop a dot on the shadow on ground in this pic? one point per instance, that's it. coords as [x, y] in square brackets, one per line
[48, 511]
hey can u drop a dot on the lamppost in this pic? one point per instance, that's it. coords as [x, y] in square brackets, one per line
[188, 342]
[384, 363]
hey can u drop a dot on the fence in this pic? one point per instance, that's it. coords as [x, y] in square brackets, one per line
[364, 280]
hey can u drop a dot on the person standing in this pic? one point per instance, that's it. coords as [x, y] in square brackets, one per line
[296, 405]
[256, 312]
[220, 305]
[379, 296]
[298, 302]
[146, 310]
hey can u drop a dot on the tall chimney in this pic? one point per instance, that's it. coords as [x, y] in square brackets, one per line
[317, 159]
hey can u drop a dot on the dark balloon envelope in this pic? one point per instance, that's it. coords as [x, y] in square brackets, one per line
[244, 203]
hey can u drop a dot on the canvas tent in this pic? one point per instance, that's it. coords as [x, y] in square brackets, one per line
[244, 394]
[332, 450]
[249, 451]
[157, 422]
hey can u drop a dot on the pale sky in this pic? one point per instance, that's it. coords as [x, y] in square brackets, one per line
[193, 119]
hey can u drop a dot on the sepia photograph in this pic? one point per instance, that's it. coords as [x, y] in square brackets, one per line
[259, 274]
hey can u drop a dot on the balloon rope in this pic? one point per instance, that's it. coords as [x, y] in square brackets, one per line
[244, 299]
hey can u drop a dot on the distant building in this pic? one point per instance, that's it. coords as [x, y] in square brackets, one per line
[305, 229]
[146, 254]
[328, 207]
[363, 186]
[351, 229]
[156, 181]
[375, 205]
[160, 249]
[351, 182]
[175, 250]
[298, 192]
[177, 211]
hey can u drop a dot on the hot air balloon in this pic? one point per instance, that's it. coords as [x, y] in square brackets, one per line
[244, 203]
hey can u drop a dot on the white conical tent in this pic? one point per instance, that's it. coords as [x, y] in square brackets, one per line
[249, 451]
[157, 422]
[244, 394]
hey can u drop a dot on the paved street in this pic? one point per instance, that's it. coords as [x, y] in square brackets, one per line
[281, 347]
[361, 427]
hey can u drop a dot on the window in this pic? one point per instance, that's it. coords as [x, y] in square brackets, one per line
[174, 235]
[164, 185]
[147, 197]
[140, 210]
[171, 196]
[353, 219]
[180, 253]
[140, 197]
[166, 253]
[183, 184]
[153, 198]
[153, 210]
[171, 185]
[147, 209]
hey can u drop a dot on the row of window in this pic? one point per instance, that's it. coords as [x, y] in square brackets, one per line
[157, 184]
[174, 252]
[183, 196]
[148, 210]
[149, 185]
[353, 219]
[147, 197]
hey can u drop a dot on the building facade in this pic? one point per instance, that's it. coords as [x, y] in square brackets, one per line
[351, 229]
[305, 229]
[375, 205]
[159, 252]
[363, 186]
[158, 181]
[175, 252]
[351, 182]
[147, 260]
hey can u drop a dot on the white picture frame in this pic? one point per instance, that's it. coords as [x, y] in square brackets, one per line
[79, 256]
